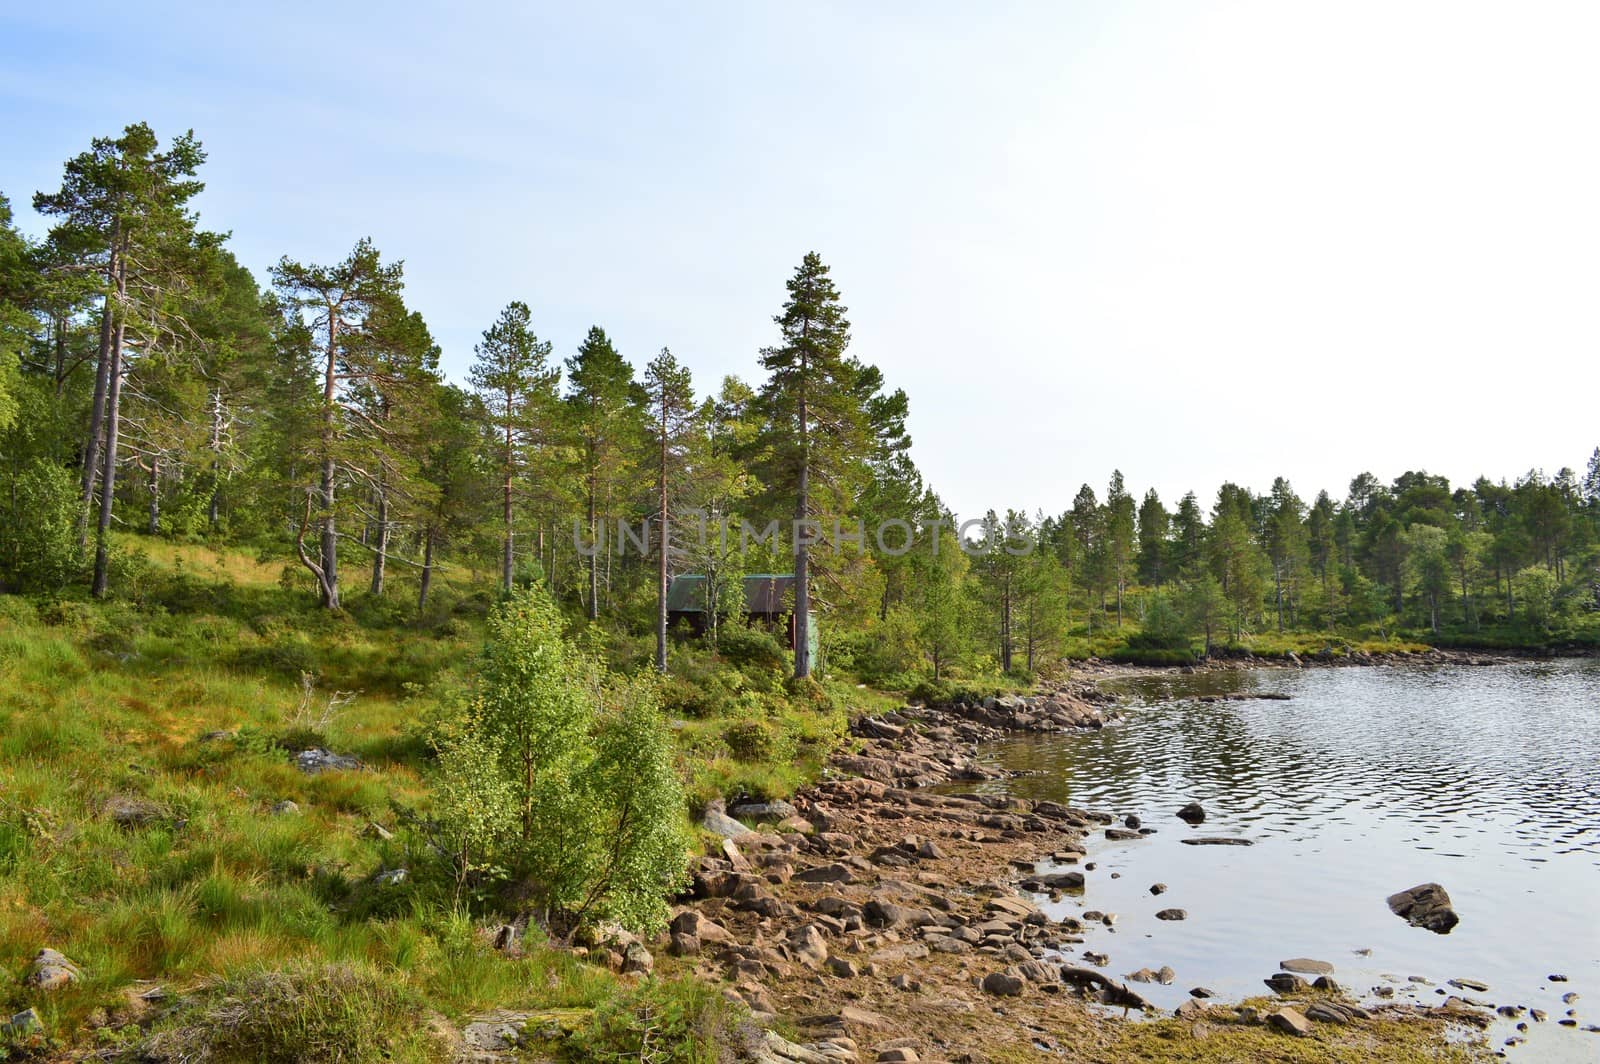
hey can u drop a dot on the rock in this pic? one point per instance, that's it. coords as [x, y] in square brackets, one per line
[901, 1055]
[217, 736]
[1335, 1012]
[1172, 914]
[1552, 978]
[1122, 835]
[807, 946]
[1002, 984]
[1216, 840]
[50, 970]
[393, 877]
[682, 945]
[1131, 821]
[1202, 992]
[1192, 813]
[131, 811]
[692, 922]
[23, 1024]
[1470, 984]
[1290, 1022]
[843, 968]
[1328, 984]
[635, 958]
[828, 873]
[316, 761]
[1426, 906]
[1306, 966]
[1287, 983]
[929, 851]
[285, 808]
[1158, 888]
[718, 822]
[905, 982]
[772, 1048]
[762, 811]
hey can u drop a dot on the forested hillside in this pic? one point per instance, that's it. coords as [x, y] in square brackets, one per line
[152, 385]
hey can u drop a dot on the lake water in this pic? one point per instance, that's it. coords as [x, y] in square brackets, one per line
[1365, 782]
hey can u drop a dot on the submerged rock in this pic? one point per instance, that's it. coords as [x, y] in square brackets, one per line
[1216, 840]
[1193, 813]
[1306, 966]
[1426, 906]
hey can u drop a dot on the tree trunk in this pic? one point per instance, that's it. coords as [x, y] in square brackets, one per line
[330, 536]
[216, 458]
[380, 559]
[427, 568]
[802, 553]
[594, 558]
[108, 472]
[109, 311]
[155, 496]
[664, 532]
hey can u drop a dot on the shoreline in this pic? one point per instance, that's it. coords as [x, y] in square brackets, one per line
[882, 919]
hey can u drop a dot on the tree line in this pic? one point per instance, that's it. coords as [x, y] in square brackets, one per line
[150, 382]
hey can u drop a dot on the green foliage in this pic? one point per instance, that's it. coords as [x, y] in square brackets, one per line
[678, 1022]
[39, 546]
[567, 779]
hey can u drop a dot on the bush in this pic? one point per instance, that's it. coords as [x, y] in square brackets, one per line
[565, 779]
[1140, 655]
[680, 1022]
[332, 1013]
[752, 648]
[751, 740]
[39, 530]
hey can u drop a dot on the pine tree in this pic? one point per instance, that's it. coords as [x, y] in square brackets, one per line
[672, 416]
[605, 407]
[817, 424]
[518, 389]
[340, 299]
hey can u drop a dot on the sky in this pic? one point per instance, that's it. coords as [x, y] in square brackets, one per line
[1196, 242]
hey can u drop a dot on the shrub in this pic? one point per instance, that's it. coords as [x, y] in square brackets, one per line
[331, 1013]
[751, 648]
[39, 530]
[679, 1022]
[752, 740]
[594, 822]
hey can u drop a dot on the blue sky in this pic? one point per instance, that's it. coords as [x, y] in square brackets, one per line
[1194, 241]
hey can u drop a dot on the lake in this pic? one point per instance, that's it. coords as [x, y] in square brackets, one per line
[1365, 782]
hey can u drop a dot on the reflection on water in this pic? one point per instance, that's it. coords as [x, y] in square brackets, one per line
[1365, 782]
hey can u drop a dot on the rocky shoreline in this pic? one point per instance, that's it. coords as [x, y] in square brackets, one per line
[881, 920]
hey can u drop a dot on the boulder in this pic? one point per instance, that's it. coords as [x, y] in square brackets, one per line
[635, 958]
[22, 1024]
[1290, 1022]
[692, 922]
[775, 810]
[718, 822]
[1192, 813]
[1306, 966]
[807, 946]
[50, 970]
[1002, 984]
[828, 873]
[1426, 906]
[1287, 983]
[316, 761]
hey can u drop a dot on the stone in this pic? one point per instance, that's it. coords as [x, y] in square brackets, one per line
[1216, 840]
[1192, 813]
[1328, 984]
[701, 927]
[764, 811]
[718, 822]
[23, 1024]
[316, 761]
[1287, 983]
[131, 811]
[1335, 1012]
[636, 958]
[1172, 914]
[1002, 984]
[1306, 966]
[50, 970]
[807, 946]
[392, 877]
[901, 1055]
[1131, 821]
[1202, 992]
[828, 873]
[1426, 906]
[682, 945]
[1122, 835]
[285, 808]
[1158, 888]
[1470, 984]
[1290, 1022]
[842, 967]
